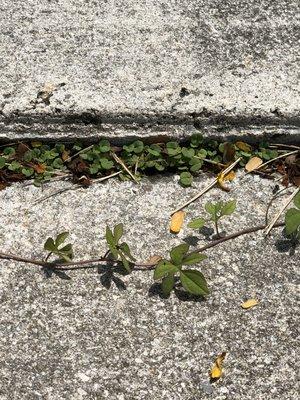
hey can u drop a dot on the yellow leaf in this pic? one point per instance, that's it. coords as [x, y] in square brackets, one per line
[249, 303]
[216, 371]
[244, 146]
[253, 164]
[177, 221]
[36, 143]
[65, 155]
[222, 178]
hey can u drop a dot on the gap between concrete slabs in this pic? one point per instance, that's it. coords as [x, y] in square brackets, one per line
[149, 69]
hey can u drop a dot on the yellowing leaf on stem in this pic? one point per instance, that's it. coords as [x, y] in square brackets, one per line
[222, 178]
[253, 164]
[217, 370]
[177, 221]
[249, 303]
[244, 146]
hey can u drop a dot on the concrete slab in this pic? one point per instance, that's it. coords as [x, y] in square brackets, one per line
[71, 337]
[148, 68]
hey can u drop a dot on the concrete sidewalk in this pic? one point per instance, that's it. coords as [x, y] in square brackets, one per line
[148, 68]
[87, 335]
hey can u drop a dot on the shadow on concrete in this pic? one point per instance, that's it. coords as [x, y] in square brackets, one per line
[108, 276]
[182, 295]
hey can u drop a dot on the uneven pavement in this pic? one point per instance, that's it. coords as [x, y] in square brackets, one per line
[88, 335]
[75, 68]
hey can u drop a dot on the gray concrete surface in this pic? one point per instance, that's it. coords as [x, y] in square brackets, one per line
[72, 337]
[148, 68]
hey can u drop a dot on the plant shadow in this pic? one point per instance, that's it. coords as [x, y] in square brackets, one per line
[109, 275]
[49, 272]
[182, 295]
[287, 244]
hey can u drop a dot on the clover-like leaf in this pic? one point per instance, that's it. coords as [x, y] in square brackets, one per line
[197, 223]
[110, 237]
[292, 220]
[118, 232]
[194, 282]
[126, 250]
[228, 207]
[167, 284]
[178, 252]
[297, 200]
[50, 245]
[193, 258]
[186, 179]
[164, 268]
[61, 238]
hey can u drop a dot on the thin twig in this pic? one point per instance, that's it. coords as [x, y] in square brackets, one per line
[104, 178]
[271, 201]
[79, 152]
[288, 146]
[119, 161]
[73, 265]
[273, 159]
[207, 188]
[284, 206]
[76, 186]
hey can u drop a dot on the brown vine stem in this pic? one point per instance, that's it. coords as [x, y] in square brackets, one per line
[73, 265]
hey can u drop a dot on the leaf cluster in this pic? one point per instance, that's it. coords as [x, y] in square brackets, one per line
[57, 247]
[119, 251]
[216, 211]
[192, 280]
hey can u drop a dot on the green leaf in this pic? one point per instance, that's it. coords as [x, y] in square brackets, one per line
[188, 153]
[193, 258]
[167, 285]
[178, 252]
[50, 245]
[164, 268]
[210, 208]
[113, 251]
[186, 179]
[27, 171]
[196, 140]
[154, 149]
[9, 151]
[61, 238]
[67, 249]
[64, 256]
[2, 162]
[125, 263]
[118, 232]
[194, 282]
[14, 166]
[110, 237]
[197, 223]
[292, 220]
[126, 250]
[229, 207]
[104, 146]
[94, 168]
[138, 146]
[106, 164]
[297, 200]
[173, 148]
[196, 167]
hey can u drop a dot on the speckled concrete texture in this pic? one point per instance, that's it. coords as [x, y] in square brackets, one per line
[90, 335]
[148, 68]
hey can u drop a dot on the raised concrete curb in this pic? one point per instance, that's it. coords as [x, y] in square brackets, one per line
[148, 68]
